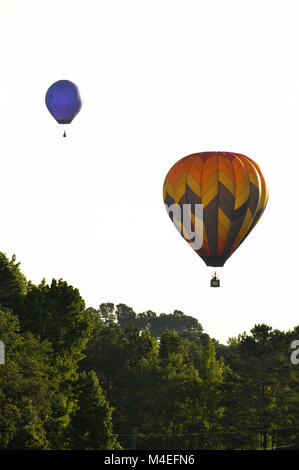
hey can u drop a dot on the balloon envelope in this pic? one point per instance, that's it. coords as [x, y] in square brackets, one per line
[233, 193]
[63, 101]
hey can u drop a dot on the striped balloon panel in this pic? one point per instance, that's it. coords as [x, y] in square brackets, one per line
[233, 192]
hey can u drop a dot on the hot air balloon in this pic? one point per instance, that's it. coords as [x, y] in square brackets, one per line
[63, 101]
[233, 194]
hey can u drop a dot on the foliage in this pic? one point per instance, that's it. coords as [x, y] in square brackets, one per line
[110, 378]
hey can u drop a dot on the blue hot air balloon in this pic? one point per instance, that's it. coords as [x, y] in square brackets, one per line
[63, 101]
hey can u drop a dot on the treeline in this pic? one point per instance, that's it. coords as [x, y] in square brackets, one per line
[123, 315]
[108, 378]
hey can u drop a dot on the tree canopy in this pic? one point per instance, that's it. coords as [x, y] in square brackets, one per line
[107, 377]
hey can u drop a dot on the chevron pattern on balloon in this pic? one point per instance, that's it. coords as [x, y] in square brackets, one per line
[233, 192]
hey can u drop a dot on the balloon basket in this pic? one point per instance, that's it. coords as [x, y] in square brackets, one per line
[215, 281]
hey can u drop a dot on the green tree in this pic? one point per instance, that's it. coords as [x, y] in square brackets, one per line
[31, 433]
[91, 425]
[262, 395]
[57, 313]
[145, 320]
[186, 326]
[107, 313]
[166, 394]
[13, 283]
[25, 387]
[106, 355]
[125, 315]
[211, 372]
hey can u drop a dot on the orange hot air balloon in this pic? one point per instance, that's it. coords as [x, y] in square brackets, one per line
[233, 194]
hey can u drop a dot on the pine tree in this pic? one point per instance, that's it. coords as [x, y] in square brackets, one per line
[91, 425]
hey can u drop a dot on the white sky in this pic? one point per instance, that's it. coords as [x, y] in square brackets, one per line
[160, 79]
